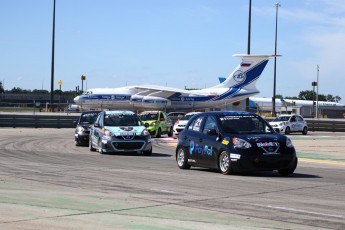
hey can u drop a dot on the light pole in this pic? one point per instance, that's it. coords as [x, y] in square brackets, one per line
[248, 47]
[317, 92]
[275, 63]
[52, 67]
[249, 25]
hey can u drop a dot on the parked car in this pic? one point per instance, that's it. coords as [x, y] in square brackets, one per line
[119, 131]
[234, 142]
[157, 123]
[181, 123]
[290, 123]
[82, 130]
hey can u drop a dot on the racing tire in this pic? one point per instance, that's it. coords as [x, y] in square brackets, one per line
[159, 133]
[182, 159]
[148, 153]
[287, 130]
[91, 148]
[288, 171]
[305, 131]
[224, 163]
[100, 150]
[171, 132]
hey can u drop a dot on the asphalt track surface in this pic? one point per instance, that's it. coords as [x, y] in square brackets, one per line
[46, 182]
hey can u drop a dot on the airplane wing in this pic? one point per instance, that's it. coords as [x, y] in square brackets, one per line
[160, 91]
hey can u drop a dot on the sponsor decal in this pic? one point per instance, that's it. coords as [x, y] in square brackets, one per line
[200, 150]
[267, 144]
[225, 142]
[269, 147]
[235, 156]
[126, 128]
[127, 135]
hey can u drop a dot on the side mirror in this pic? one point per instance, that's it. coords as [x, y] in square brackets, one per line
[96, 124]
[277, 130]
[212, 132]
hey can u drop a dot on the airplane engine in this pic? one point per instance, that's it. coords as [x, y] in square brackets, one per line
[150, 101]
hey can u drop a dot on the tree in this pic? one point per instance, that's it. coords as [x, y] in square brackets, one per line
[307, 95]
[1, 88]
[279, 96]
[337, 98]
[333, 99]
[294, 97]
[40, 91]
[311, 96]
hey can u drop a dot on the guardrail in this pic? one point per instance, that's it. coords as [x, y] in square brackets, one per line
[38, 121]
[67, 121]
[326, 125]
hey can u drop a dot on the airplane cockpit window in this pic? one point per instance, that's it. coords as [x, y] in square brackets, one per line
[87, 92]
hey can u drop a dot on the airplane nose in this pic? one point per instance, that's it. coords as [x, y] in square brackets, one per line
[76, 99]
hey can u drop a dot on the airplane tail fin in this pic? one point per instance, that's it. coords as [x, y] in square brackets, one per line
[247, 73]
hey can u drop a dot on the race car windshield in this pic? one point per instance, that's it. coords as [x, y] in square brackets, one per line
[187, 117]
[245, 125]
[121, 120]
[88, 118]
[149, 116]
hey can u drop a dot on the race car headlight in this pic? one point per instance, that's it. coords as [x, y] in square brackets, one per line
[240, 143]
[145, 133]
[107, 133]
[80, 129]
[289, 143]
[153, 123]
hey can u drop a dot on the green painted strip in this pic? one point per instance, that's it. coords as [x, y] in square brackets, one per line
[320, 157]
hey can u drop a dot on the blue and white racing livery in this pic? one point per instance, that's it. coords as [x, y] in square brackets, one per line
[119, 131]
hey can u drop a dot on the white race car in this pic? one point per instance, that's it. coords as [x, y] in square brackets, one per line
[181, 123]
[290, 123]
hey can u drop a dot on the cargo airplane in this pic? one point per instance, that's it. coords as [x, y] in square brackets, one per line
[239, 85]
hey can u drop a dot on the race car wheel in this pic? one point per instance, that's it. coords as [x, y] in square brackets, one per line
[148, 153]
[305, 131]
[288, 171]
[171, 132]
[182, 159]
[287, 130]
[91, 148]
[159, 133]
[224, 163]
[100, 150]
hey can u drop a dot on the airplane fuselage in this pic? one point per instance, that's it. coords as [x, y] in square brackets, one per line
[128, 98]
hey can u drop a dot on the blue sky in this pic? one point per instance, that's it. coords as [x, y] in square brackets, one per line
[171, 43]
